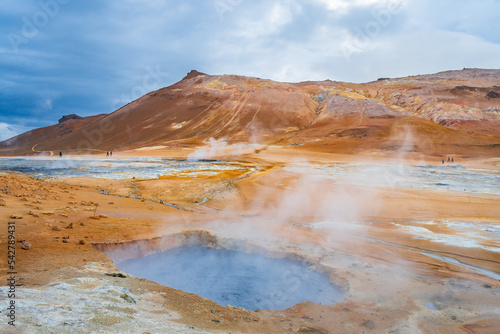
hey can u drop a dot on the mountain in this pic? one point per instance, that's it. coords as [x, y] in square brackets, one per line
[459, 109]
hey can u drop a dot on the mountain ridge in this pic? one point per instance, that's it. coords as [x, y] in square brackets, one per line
[325, 115]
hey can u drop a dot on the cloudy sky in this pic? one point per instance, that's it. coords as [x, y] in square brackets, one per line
[60, 57]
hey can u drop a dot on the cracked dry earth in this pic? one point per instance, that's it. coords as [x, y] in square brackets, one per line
[408, 260]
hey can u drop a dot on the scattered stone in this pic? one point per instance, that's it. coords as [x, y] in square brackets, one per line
[111, 202]
[47, 213]
[66, 237]
[311, 330]
[453, 317]
[127, 298]
[65, 241]
[161, 201]
[70, 225]
[370, 324]
[81, 242]
[487, 286]
[120, 275]
[36, 215]
[103, 216]
[2, 203]
[82, 224]
[24, 199]
[213, 311]
[216, 320]
[65, 215]
[25, 245]
[95, 217]
[16, 217]
[143, 200]
[56, 228]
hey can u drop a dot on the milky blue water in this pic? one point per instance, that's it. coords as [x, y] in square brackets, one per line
[142, 168]
[251, 281]
[454, 178]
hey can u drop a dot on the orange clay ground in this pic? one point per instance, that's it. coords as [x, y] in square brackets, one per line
[374, 242]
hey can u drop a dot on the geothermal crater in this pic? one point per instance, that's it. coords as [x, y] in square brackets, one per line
[198, 263]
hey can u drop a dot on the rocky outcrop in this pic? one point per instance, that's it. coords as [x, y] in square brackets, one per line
[68, 117]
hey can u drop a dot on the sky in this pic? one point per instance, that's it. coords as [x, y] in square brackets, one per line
[60, 57]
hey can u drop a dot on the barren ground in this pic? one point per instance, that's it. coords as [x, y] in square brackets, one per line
[410, 260]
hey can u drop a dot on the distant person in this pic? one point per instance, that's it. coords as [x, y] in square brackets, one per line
[110, 153]
[448, 159]
[60, 154]
[107, 154]
[443, 161]
[452, 159]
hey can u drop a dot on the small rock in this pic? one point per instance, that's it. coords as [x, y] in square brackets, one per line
[216, 320]
[47, 213]
[487, 286]
[310, 330]
[56, 228]
[213, 311]
[72, 202]
[81, 242]
[127, 298]
[143, 200]
[64, 215]
[65, 241]
[36, 215]
[103, 216]
[25, 245]
[120, 275]
[16, 217]
[70, 225]
[370, 324]
[111, 202]
[453, 317]
[2, 203]
[82, 224]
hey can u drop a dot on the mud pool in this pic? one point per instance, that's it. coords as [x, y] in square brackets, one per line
[140, 168]
[250, 281]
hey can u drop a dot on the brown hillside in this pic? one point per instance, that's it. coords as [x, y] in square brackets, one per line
[458, 108]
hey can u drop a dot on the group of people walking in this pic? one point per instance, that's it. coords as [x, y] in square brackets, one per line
[108, 154]
[449, 160]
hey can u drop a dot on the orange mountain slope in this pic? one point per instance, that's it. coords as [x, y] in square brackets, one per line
[454, 108]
